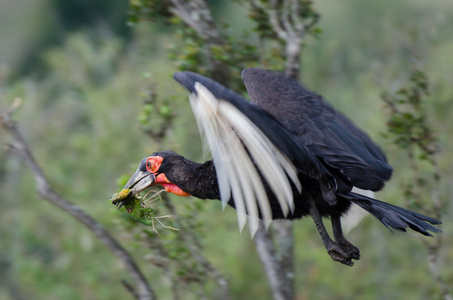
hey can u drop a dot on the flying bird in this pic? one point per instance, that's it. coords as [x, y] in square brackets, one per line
[285, 154]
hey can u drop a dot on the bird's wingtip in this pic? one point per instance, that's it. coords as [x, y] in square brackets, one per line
[181, 76]
[248, 71]
[245, 71]
[178, 75]
[187, 79]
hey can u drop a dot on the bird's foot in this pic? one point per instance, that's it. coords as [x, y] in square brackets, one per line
[350, 249]
[344, 253]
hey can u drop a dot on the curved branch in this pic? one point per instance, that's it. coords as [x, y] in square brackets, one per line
[144, 291]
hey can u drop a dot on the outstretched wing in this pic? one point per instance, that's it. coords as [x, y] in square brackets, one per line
[328, 134]
[247, 144]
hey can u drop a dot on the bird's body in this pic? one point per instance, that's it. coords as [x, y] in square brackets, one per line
[200, 180]
[284, 155]
[328, 134]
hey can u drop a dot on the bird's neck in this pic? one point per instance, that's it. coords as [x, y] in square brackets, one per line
[199, 180]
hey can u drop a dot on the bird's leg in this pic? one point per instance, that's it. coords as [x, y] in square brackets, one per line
[347, 247]
[335, 251]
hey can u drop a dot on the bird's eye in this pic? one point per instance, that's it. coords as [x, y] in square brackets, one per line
[153, 163]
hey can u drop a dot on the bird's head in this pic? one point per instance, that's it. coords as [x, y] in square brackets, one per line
[152, 170]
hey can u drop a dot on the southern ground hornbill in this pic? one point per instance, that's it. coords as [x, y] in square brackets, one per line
[284, 155]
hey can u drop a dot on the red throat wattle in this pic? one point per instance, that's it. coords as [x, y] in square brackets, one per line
[152, 165]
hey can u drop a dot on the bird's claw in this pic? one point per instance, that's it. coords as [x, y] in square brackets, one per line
[119, 204]
[351, 250]
[344, 253]
[119, 199]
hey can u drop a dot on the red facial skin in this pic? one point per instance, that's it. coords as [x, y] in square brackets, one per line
[152, 165]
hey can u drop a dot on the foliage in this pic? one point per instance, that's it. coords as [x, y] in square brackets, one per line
[211, 49]
[259, 13]
[252, 47]
[176, 253]
[152, 10]
[408, 117]
[157, 115]
[409, 127]
[80, 116]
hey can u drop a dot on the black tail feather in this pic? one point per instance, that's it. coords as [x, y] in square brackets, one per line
[394, 216]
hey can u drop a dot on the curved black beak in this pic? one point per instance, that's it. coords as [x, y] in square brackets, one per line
[138, 182]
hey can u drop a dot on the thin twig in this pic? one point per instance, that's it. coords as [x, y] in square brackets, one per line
[144, 291]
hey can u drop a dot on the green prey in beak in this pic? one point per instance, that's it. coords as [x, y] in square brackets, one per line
[136, 206]
[139, 181]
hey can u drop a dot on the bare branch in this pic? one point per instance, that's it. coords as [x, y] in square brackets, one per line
[144, 291]
[129, 288]
[285, 19]
[288, 23]
[295, 12]
[197, 15]
[268, 255]
[291, 33]
[273, 19]
[285, 242]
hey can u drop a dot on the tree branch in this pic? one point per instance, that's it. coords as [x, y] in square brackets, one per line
[274, 21]
[144, 291]
[197, 15]
[288, 22]
[274, 271]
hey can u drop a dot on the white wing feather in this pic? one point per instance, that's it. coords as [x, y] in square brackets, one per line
[233, 139]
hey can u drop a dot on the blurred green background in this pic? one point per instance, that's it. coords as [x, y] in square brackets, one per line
[82, 73]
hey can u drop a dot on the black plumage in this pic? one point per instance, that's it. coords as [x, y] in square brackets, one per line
[328, 134]
[328, 154]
